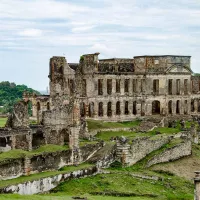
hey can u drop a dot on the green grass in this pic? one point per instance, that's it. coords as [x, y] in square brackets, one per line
[3, 122]
[18, 153]
[37, 176]
[65, 197]
[168, 188]
[106, 135]
[97, 124]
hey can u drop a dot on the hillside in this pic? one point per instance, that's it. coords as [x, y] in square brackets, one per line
[11, 93]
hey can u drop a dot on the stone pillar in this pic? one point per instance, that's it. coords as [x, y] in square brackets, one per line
[174, 87]
[27, 166]
[105, 109]
[122, 153]
[104, 87]
[174, 107]
[29, 138]
[122, 86]
[13, 139]
[113, 86]
[138, 108]
[149, 108]
[181, 86]
[96, 107]
[194, 135]
[138, 89]
[197, 186]
[182, 106]
[130, 87]
[130, 108]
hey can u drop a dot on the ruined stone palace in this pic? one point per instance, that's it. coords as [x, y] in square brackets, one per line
[108, 89]
[122, 89]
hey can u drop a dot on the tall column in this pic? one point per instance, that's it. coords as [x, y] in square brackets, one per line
[174, 87]
[104, 87]
[113, 86]
[105, 109]
[122, 86]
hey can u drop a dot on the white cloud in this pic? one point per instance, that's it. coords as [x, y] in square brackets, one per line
[31, 33]
[115, 28]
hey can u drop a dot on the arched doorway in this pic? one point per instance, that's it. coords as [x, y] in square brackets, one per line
[118, 111]
[126, 112]
[82, 109]
[192, 105]
[100, 110]
[109, 109]
[134, 107]
[178, 107]
[170, 107]
[155, 107]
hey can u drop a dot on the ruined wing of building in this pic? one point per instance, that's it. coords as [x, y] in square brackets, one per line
[113, 89]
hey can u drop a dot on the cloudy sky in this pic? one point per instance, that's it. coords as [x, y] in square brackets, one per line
[31, 31]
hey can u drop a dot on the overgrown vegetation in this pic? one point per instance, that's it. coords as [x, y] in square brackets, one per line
[10, 93]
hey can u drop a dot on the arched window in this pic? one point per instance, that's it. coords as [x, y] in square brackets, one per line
[170, 107]
[178, 107]
[100, 110]
[38, 106]
[109, 109]
[118, 111]
[134, 107]
[126, 112]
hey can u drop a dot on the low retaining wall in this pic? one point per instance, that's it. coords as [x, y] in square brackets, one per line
[48, 183]
[13, 168]
[171, 154]
[130, 154]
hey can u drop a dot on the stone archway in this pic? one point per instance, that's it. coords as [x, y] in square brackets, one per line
[178, 107]
[170, 107]
[155, 107]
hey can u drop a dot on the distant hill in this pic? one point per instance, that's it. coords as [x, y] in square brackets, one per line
[10, 93]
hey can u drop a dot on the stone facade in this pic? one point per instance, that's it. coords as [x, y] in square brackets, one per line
[123, 89]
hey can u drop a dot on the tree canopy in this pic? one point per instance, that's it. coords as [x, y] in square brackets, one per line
[10, 93]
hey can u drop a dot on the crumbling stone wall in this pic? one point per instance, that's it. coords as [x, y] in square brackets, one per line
[11, 169]
[176, 152]
[19, 117]
[131, 153]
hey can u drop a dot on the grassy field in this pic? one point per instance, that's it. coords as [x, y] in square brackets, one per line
[97, 124]
[106, 135]
[65, 197]
[3, 122]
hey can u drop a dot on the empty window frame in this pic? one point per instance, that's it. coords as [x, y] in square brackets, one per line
[109, 86]
[170, 86]
[126, 85]
[117, 85]
[156, 86]
[100, 86]
[178, 82]
[126, 112]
